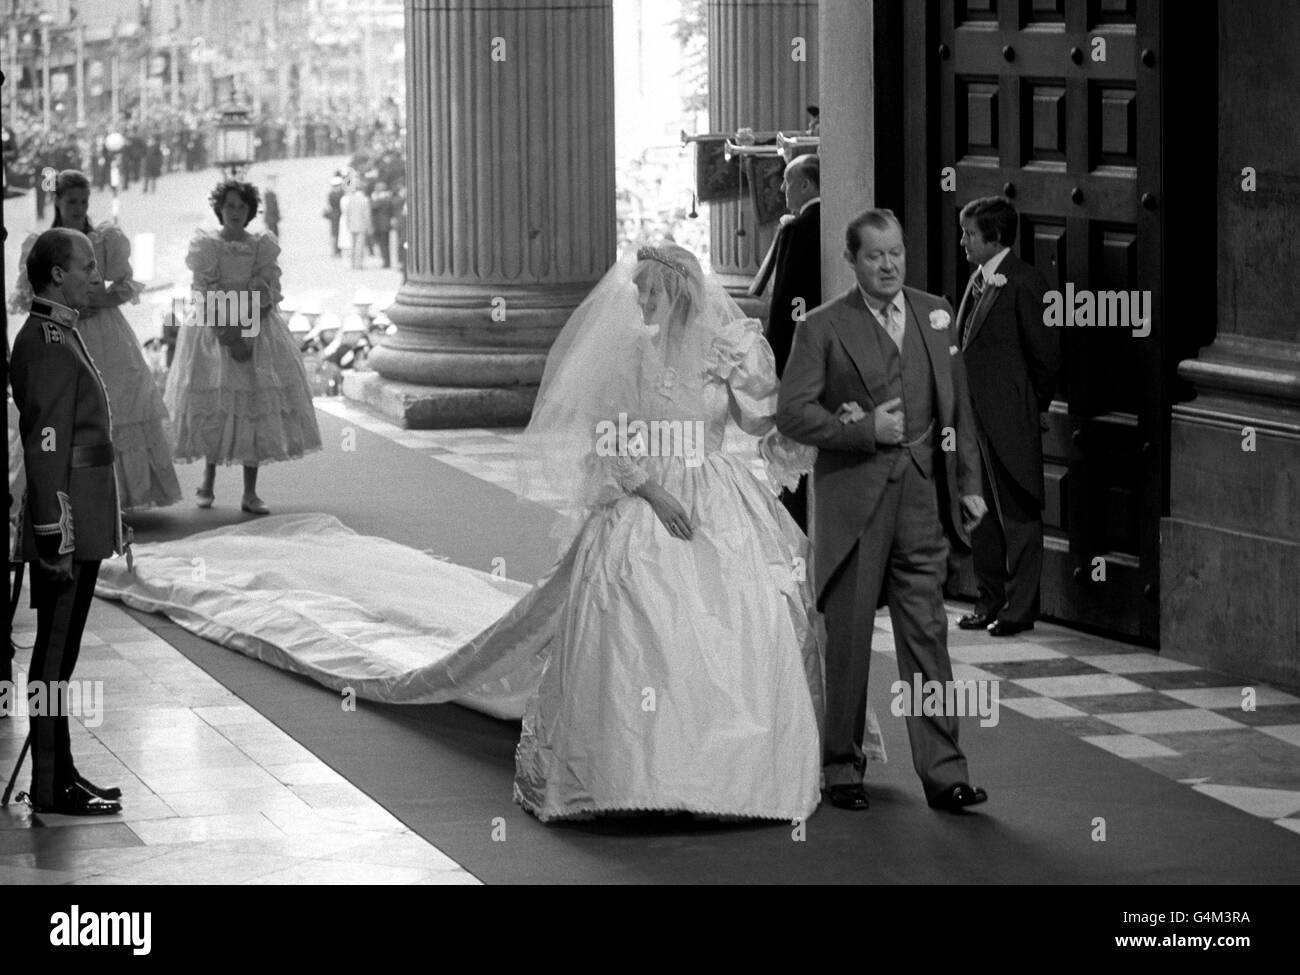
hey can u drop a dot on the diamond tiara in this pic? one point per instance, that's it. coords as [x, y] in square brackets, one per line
[656, 254]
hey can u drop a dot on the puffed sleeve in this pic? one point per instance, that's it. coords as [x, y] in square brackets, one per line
[20, 300]
[117, 264]
[266, 266]
[204, 259]
[744, 361]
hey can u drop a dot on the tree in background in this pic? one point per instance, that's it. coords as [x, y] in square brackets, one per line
[691, 31]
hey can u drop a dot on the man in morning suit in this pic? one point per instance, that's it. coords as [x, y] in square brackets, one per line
[794, 264]
[1011, 361]
[874, 382]
[71, 518]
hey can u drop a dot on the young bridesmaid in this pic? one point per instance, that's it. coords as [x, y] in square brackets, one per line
[145, 475]
[241, 396]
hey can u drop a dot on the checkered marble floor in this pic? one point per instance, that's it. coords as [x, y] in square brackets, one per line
[1238, 744]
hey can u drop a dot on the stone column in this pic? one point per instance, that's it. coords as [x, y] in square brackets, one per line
[510, 149]
[848, 142]
[1230, 552]
[755, 80]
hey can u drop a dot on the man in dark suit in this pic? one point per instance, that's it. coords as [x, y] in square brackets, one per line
[71, 518]
[874, 382]
[381, 217]
[794, 264]
[271, 206]
[1011, 361]
[334, 212]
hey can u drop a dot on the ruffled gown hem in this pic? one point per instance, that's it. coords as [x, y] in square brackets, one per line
[589, 811]
[187, 458]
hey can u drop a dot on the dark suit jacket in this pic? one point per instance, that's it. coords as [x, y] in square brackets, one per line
[270, 209]
[71, 506]
[835, 360]
[1011, 361]
[797, 274]
[381, 212]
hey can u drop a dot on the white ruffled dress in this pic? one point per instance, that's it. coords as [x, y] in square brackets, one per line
[229, 412]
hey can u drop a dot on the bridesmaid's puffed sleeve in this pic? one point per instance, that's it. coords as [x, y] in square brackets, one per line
[117, 264]
[266, 267]
[204, 259]
[20, 299]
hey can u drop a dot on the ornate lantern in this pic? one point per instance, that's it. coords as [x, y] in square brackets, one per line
[234, 141]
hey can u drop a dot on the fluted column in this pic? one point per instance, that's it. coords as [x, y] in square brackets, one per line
[755, 80]
[510, 142]
[848, 126]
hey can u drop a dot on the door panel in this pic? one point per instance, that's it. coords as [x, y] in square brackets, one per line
[1025, 111]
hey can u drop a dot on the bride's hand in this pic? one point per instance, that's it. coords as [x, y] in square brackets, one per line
[671, 513]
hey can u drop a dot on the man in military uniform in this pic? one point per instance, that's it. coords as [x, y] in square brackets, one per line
[71, 519]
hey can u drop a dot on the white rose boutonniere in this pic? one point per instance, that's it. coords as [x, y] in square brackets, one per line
[939, 319]
[998, 280]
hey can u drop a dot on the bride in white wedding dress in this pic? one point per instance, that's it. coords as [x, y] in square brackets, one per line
[671, 659]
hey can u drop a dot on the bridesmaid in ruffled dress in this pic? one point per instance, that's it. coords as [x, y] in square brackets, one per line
[145, 475]
[238, 395]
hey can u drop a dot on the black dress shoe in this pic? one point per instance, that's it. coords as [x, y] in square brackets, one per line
[76, 800]
[112, 792]
[1008, 628]
[959, 796]
[851, 796]
[976, 621]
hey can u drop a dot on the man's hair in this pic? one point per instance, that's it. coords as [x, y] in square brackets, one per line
[876, 219]
[55, 247]
[995, 217]
[808, 166]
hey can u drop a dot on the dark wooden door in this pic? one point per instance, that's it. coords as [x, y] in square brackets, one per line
[1029, 109]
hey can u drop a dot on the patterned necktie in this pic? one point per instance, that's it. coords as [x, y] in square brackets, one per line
[894, 325]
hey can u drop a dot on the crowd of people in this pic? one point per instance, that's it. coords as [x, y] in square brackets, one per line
[365, 212]
[164, 140]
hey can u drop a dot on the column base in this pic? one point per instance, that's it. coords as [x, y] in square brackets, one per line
[420, 407]
[1230, 548]
[1228, 601]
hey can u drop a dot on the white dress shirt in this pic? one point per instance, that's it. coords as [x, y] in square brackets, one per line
[990, 267]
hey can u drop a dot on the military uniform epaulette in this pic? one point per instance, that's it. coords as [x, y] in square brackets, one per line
[52, 317]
